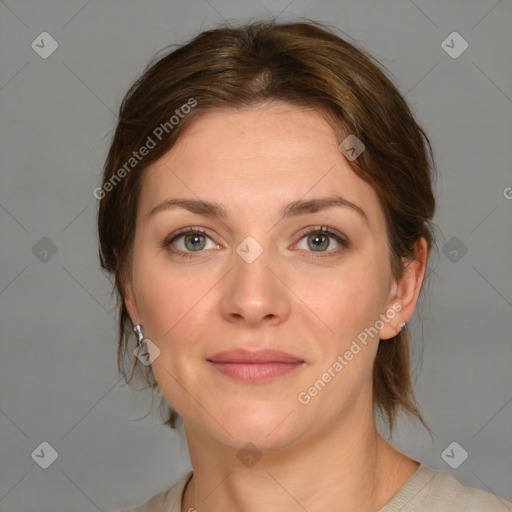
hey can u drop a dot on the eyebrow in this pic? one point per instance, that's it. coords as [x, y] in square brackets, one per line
[314, 205]
[300, 207]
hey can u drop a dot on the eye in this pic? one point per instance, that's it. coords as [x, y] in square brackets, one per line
[189, 240]
[322, 240]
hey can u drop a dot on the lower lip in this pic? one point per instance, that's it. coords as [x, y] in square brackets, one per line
[255, 372]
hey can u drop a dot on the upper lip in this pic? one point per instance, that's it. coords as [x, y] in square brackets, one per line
[241, 355]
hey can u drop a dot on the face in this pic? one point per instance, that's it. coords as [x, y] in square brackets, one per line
[268, 266]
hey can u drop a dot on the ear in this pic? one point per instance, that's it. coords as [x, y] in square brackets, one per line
[406, 290]
[131, 303]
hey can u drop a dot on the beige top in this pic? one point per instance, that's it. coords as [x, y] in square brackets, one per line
[428, 490]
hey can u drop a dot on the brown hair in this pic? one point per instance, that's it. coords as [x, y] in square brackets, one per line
[308, 66]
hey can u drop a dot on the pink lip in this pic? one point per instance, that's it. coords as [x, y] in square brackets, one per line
[258, 366]
[259, 356]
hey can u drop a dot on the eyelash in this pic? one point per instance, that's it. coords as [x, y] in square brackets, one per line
[343, 241]
[325, 230]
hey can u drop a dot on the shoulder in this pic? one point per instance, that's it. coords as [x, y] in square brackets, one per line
[434, 490]
[165, 501]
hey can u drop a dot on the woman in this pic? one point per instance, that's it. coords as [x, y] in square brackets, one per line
[266, 211]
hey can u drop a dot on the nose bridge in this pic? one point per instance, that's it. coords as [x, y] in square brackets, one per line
[253, 293]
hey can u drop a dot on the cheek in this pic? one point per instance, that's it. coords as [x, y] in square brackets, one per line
[171, 301]
[166, 304]
[349, 300]
[160, 297]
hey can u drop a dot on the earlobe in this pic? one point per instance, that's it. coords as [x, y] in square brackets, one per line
[407, 288]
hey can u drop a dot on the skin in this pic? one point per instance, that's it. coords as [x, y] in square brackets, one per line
[327, 454]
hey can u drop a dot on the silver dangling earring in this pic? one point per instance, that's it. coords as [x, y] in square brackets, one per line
[138, 331]
[145, 351]
[401, 325]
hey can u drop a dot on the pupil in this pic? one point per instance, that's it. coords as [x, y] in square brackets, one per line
[194, 242]
[319, 241]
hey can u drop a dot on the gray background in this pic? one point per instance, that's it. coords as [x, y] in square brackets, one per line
[58, 379]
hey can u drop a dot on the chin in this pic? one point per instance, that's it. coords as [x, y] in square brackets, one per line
[267, 425]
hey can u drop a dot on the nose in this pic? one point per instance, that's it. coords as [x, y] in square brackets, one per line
[254, 293]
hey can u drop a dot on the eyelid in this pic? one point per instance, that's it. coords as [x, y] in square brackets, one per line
[183, 231]
[323, 229]
[339, 237]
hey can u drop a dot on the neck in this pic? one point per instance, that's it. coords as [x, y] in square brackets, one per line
[348, 468]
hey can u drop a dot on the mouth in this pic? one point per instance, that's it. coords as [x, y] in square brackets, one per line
[255, 366]
[255, 372]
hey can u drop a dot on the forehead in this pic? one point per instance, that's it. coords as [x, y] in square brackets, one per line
[263, 155]
[264, 131]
